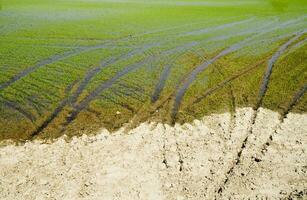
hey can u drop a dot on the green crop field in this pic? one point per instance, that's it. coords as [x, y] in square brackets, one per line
[75, 66]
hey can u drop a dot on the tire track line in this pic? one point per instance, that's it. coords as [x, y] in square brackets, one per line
[235, 47]
[73, 99]
[54, 114]
[223, 83]
[48, 61]
[15, 106]
[271, 63]
[91, 74]
[147, 112]
[106, 85]
[232, 100]
[296, 98]
[68, 54]
[161, 83]
[216, 28]
[299, 44]
[54, 59]
[88, 77]
[167, 69]
[60, 57]
[109, 83]
[262, 92]
[193, 75]
[300, 93]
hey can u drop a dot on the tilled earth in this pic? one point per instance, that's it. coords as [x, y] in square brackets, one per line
[223, 156]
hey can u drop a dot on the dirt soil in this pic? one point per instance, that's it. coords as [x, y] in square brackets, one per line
[203, 160]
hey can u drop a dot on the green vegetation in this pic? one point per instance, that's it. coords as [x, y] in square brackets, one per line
[70, 67]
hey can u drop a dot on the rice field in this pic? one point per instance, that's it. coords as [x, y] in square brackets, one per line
[73, 67]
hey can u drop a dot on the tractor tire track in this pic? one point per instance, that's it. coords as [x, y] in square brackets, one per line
[13, 105]
[63, 56]
[296, 97]
[38, 106]
[232, 99]
[148, 112]
[167, 69]
[233, 113]
[267, 27]
[263, 89]
[106, 85]
[78, 51]
[68, 54]
[265, 146]
[104, 64]
[300, 93]
[161, 83]
[48, 61]
[271, 63]
[232, 104]
[224, 83]
[54, 114]
[172, 34]
[193, 75]
[40, 45]
[237, 160]
[248, 30]
[60, 57]
[300, 44]
[54, 59]
[235, 47]
[88, 77]
[216, 28]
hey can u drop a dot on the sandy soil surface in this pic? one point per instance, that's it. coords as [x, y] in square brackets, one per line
[209, 159]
